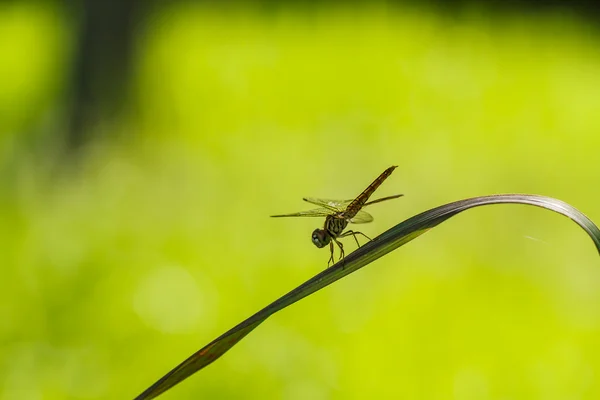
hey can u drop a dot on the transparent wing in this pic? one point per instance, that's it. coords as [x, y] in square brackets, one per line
[362, 217]
[317, 212]
[340, 205]
[333, 205]
[383, 199]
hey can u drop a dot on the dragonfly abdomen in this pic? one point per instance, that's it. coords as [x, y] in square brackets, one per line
[354, 207]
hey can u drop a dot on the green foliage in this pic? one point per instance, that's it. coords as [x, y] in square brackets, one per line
[115, 272]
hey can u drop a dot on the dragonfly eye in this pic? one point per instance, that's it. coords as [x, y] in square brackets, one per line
[320, 238]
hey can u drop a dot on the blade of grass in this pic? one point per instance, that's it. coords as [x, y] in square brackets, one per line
[390, 240]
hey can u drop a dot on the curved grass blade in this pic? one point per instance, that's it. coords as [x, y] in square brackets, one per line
[381, 245]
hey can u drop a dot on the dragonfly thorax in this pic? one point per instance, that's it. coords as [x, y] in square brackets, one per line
[335, 225]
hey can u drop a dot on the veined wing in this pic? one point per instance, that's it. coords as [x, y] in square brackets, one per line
[317, 212]
[383, 199]
[333, 205]
[362, 217]
[340, 205]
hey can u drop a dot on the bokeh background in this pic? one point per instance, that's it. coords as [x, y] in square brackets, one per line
[144, 145]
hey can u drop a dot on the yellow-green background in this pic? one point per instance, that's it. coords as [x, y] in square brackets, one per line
[115, 271]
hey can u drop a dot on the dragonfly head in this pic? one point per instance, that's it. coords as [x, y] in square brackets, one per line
[320, 238]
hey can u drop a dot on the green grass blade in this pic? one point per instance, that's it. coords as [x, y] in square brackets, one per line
[378, 247]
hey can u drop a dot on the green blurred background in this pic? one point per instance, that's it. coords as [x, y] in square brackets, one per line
[135, 234]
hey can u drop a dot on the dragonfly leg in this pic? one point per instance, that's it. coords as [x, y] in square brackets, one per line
[341, 248]
[331, 259]
[354, 233]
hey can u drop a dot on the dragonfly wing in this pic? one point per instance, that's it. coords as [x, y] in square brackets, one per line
[334, 205]
[340, 205]
[317, 212]
[383, 199]
[362, 217]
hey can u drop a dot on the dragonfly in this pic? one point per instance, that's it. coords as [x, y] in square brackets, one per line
[339, 213]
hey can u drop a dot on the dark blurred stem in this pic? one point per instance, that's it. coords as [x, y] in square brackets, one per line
[101, 67]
